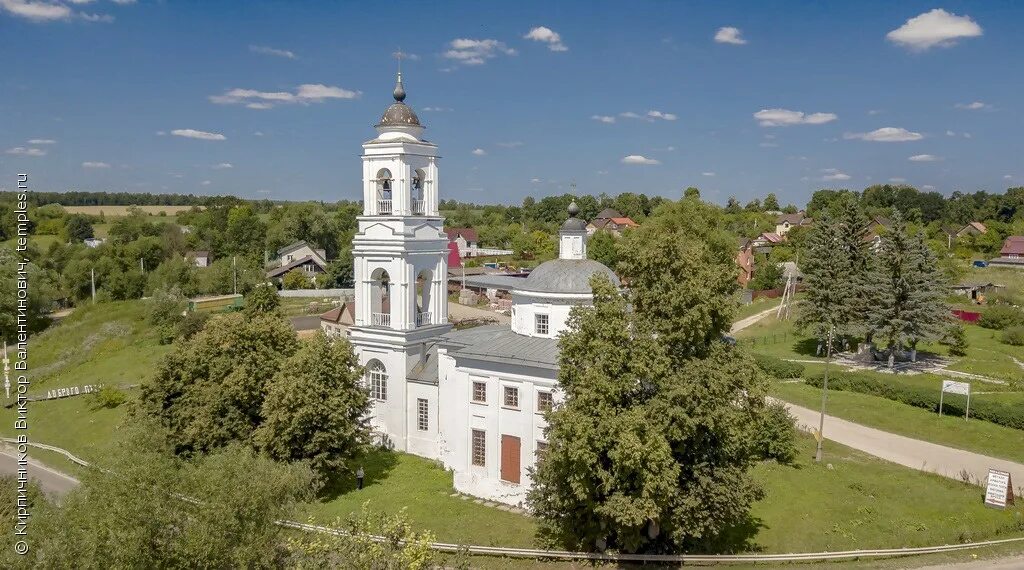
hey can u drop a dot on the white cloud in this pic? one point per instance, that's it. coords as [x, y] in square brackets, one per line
[898, 180]
[205, 182]
[886, 134]
[924, 158]
[974, 106]
[935, 28]
[194, 134]
[928, 187]
[707, 173]
[639, 159]
[38, 12]
[258, 133]
[438, 109]
[547, 35]
[662, 116]
[768, 144]
[266, 50]
[967, 135]
[81, 1]
[786, 118]
[950, 134]
[603, 118]
[22, 151]
[161, 133]
[479, 152]
[1007, 177]
[874, 111]
[223, 165]
[405, 55]
[833, 174]
[476, 52]
[42, 141]
[729, 35]
[511, 144]
[535, 180]
[102, 18]
[304, 94]
[124, 2]
[90, 164]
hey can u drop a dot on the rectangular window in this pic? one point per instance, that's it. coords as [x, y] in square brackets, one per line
[480, 392]
[479, 450]
[511, 397]
[544, 401]
[422, 419]
[540, 323]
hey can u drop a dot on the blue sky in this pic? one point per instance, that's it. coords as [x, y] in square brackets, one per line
[524, 98]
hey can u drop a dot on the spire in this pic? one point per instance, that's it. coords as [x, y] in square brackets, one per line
[399, 89]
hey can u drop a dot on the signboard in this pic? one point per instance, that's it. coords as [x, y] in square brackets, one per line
[57, 393]
[954, 387]
[999, 490]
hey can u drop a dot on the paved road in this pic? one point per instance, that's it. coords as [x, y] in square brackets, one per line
[744, 323]
[52, 481]
[305, 322]
[914, 453]
[1014, 563]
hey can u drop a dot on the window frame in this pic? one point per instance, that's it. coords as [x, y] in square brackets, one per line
[506, 391]
[422, 414]
[377, 380]
[473, 392]
[546, 324]
[478, 447]
[551, 401]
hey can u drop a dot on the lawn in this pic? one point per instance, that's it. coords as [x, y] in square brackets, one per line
[972, 435]
[778, 337]
[860, 502]
[986, 355]
[755, 307]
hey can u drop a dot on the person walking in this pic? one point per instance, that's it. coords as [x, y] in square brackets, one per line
[359, 477]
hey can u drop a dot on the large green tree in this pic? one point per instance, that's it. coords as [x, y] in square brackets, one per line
[316, 408]
[825, 309]
[209, 391]
[650, 449]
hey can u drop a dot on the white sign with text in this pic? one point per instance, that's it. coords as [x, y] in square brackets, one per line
[999, 490]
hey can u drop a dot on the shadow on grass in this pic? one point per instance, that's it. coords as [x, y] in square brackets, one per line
[376, 464]
[806, 347]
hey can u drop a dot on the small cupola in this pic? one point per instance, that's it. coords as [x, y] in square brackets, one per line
[572, 237]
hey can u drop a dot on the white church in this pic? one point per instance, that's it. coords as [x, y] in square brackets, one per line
[473, 399]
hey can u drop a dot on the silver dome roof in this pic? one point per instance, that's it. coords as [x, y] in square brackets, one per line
[399, 114]
[566, 276]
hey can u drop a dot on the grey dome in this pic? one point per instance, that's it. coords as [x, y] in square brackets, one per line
[574, 224]
[399, 115]
[566, 276]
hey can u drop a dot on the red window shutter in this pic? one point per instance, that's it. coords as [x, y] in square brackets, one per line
[510, 453]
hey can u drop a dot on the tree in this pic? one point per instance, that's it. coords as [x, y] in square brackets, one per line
[771, 202]
[77, 228]
[829, 283]
[651, 448]
[245, 232]
[692, 192]
[908, 306]
[316, 408]
[601, 247]
[136, 513]
[263, 300]
[209, 391]
[296, 279]
[340, 272]
[767, 274]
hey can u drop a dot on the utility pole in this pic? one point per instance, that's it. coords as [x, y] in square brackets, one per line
[234, 276]
[142, 264]
[824, 396]
[92, 275]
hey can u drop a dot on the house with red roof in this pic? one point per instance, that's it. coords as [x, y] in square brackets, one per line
[1012, 253]
[612, 221]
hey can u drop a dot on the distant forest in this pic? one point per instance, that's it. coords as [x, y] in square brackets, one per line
[120, 199]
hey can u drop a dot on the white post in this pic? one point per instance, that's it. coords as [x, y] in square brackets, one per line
[942, 394]
[92, 275]
[967, 412]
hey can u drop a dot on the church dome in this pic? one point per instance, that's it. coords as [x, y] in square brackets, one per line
[566, 276]
[399, 114]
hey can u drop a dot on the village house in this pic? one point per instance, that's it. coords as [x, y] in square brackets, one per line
[465, 238]
[745, 260]
[336, 322]
[1012, 253]
[302, 256]
[198, 258]
[612, 221]
[786, 222]
[766, 241]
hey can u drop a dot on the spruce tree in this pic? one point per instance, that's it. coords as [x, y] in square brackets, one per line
[851, 223]
[928, 313]
[829, 284]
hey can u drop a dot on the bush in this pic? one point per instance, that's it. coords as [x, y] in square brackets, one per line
[956, 340]
[1004, 414]
[1013, 336]
[109, 397]
[778, 368]
[775, 436]
[999, 317]
[191, 324]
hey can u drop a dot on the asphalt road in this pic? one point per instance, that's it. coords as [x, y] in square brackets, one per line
[305, 322]
[51, 481]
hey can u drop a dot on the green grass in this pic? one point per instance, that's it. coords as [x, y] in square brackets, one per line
[397, 481]
[865, 502]
[880, 413]
[755, 307]
[293, 307]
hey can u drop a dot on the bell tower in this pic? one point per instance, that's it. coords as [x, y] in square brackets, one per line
[401, 273]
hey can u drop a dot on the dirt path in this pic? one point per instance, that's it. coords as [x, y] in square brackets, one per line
[744, 323]
[914, 453]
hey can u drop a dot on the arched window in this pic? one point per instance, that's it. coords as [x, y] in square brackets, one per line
[380, 298]
[384, 182]
[424, 283]
[377, 380]
[418, 181]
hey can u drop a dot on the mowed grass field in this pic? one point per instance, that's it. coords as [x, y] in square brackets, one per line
[121, 211]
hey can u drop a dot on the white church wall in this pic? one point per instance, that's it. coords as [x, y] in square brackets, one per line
[423, 442]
